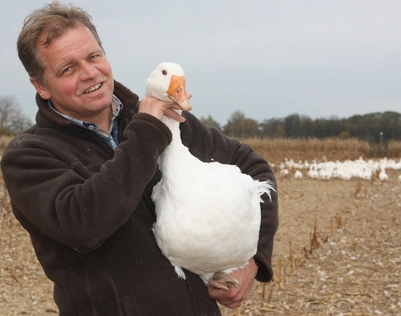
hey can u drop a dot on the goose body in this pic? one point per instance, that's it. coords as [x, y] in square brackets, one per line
[383, 175]
[208, 214]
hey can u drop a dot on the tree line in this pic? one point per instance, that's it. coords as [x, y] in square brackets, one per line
[376, 128]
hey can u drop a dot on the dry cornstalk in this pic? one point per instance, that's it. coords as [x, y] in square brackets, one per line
[292, 262]
[305, 252]
[358, 188]
[270, 294]
[263, 290]
[339, 221]
[278, 280]
[270, 310]
[51, 310]
[315, 240]
[15, 278]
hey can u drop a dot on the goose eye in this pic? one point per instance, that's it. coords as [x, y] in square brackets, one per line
[164, 72]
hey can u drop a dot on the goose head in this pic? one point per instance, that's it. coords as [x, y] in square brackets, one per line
[167, 83]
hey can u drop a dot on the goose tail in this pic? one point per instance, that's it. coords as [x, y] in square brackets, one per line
[265, 187]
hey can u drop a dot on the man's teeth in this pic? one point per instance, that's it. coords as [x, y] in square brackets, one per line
[93, 88]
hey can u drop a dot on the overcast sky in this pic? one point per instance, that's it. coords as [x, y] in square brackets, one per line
[268, 59]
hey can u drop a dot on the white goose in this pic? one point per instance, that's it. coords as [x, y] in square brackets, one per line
[208, 214]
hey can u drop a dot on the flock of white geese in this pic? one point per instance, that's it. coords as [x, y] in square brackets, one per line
[344, 170]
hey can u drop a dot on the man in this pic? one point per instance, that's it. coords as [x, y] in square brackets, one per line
[80, 180]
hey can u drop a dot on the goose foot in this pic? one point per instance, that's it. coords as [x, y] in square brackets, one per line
[222, 280]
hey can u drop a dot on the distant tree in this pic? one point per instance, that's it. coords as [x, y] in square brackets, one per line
[241, 127]
[328, 127]
[292, 126]
[390, 126]
[209, 121]
[273, 128]
[376, 127]
[12, 120]
[306, 127]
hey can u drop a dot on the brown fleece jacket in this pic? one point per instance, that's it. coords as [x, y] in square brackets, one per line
[89, 213]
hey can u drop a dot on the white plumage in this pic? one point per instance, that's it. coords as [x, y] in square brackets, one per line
[298, 174]
[208, 214]
[383, 175]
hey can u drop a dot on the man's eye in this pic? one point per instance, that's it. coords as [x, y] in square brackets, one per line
[66, 70]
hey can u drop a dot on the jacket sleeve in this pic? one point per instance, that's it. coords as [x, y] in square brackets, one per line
[81, 204]
[209, 144]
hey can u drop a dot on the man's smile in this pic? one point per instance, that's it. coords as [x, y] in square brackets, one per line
[94, 88]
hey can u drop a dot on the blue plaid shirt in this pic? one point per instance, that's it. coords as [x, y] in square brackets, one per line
[110, 138]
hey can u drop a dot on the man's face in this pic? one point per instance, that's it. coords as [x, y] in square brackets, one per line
[79, 79]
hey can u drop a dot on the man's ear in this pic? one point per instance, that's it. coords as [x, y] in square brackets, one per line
[41, 89]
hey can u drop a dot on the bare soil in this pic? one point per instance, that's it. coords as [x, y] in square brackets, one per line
[337, 252]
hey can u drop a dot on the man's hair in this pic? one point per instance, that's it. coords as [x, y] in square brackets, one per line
[42, 27]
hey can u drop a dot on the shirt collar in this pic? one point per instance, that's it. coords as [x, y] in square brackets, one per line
[116, 108]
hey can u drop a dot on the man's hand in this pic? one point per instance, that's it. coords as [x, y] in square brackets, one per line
[235, 295]
[159, 108]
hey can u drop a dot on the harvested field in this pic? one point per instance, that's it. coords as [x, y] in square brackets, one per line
[337, 250]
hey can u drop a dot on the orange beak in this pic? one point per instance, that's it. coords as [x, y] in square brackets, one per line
[178, 93]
